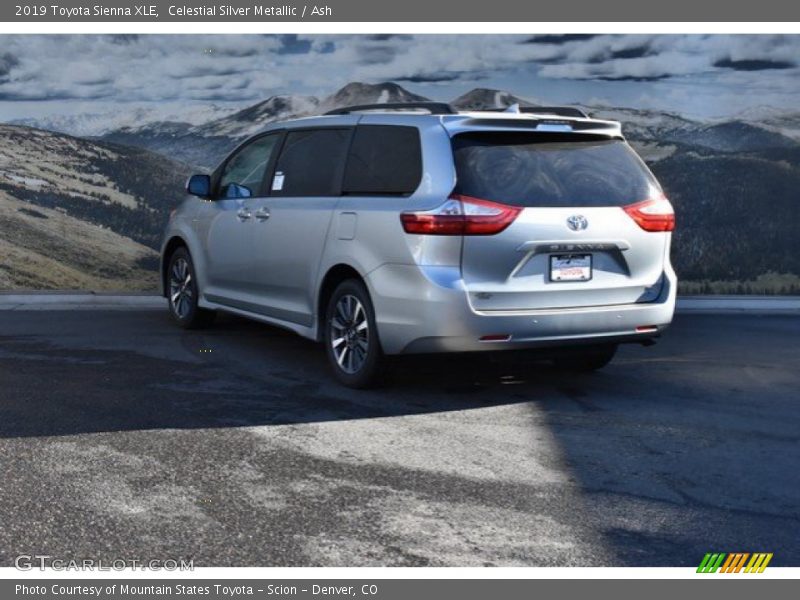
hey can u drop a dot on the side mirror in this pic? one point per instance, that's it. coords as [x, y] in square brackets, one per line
[199, 185]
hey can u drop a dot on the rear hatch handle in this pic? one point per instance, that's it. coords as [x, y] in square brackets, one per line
[547, 246]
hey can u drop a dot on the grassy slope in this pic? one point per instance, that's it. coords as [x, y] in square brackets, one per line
[42, 248]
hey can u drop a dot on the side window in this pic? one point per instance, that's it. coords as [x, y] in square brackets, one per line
[310, 163]
[243, 173]
[384, 159]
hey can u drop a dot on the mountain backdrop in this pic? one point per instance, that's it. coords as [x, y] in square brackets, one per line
[83, 200]
[81, 214]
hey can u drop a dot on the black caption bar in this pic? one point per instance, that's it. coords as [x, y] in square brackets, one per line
[406, 11]
[382, 589]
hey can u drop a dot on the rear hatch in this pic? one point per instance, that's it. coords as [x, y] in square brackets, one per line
[590, 224]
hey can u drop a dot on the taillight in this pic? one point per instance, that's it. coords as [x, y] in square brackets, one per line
[461, 215]
[655, 214]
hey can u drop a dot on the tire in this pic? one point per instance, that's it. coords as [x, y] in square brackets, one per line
[183, 293]
[585, 360]
[351, 337]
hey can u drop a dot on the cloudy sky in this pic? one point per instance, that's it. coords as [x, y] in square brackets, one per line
[714, 75]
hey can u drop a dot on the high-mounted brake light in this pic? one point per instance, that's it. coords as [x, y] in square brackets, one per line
[655, 214]
[461, 215]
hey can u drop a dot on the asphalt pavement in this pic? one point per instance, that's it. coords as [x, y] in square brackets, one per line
[122, 436]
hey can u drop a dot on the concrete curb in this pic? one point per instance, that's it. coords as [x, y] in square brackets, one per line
[739, 304]
[80, 301]
[74, 300]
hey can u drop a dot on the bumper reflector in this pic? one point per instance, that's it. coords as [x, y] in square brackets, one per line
[496, 337]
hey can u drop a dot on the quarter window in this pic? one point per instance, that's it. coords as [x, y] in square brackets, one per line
[384, 160]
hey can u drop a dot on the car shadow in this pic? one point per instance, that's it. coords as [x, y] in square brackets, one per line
[237, 373]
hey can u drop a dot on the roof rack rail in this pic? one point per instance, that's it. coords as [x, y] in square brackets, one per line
[560, 111]
[435, 108]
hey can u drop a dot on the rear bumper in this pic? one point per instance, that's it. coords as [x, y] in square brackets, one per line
[426, 309]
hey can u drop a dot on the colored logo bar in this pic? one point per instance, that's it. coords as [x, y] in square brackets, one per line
[734, 562]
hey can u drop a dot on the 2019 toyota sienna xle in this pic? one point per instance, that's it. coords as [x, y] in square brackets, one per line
[413, 228]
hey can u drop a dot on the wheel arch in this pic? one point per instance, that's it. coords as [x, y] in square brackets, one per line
[333, 277]
[170, 247]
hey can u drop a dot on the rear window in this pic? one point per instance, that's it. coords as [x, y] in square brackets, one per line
[525, 169]
[384, 159]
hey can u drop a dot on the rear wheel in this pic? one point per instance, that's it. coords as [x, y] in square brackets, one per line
[351, 337]
[183, 293]
[591, 358]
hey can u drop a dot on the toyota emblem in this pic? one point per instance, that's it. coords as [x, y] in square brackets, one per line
[577, 222]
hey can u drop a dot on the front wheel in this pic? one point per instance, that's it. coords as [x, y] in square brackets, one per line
[183, 293]
[351, 337]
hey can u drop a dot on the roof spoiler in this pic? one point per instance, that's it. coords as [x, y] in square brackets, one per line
[442, 108]
[434, 108]
[559, 111]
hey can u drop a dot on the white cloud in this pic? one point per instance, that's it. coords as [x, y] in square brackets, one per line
[156, 68]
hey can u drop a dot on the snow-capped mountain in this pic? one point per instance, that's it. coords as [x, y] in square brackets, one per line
[133, 117]
[485, 98]
[643, 124]
[366, 93]
[203, 145]
[251, 119]
[731, 136]
[785, 122]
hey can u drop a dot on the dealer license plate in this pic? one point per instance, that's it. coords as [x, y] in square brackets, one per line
[570, 267]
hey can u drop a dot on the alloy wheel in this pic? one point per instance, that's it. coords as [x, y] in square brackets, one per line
[181, 291]
[349, 334]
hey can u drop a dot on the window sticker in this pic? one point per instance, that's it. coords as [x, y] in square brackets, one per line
[277, 182]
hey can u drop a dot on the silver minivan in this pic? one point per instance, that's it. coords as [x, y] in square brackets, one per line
[397, 229]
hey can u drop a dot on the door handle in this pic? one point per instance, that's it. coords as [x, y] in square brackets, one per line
[243, 214]
[262, 214]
